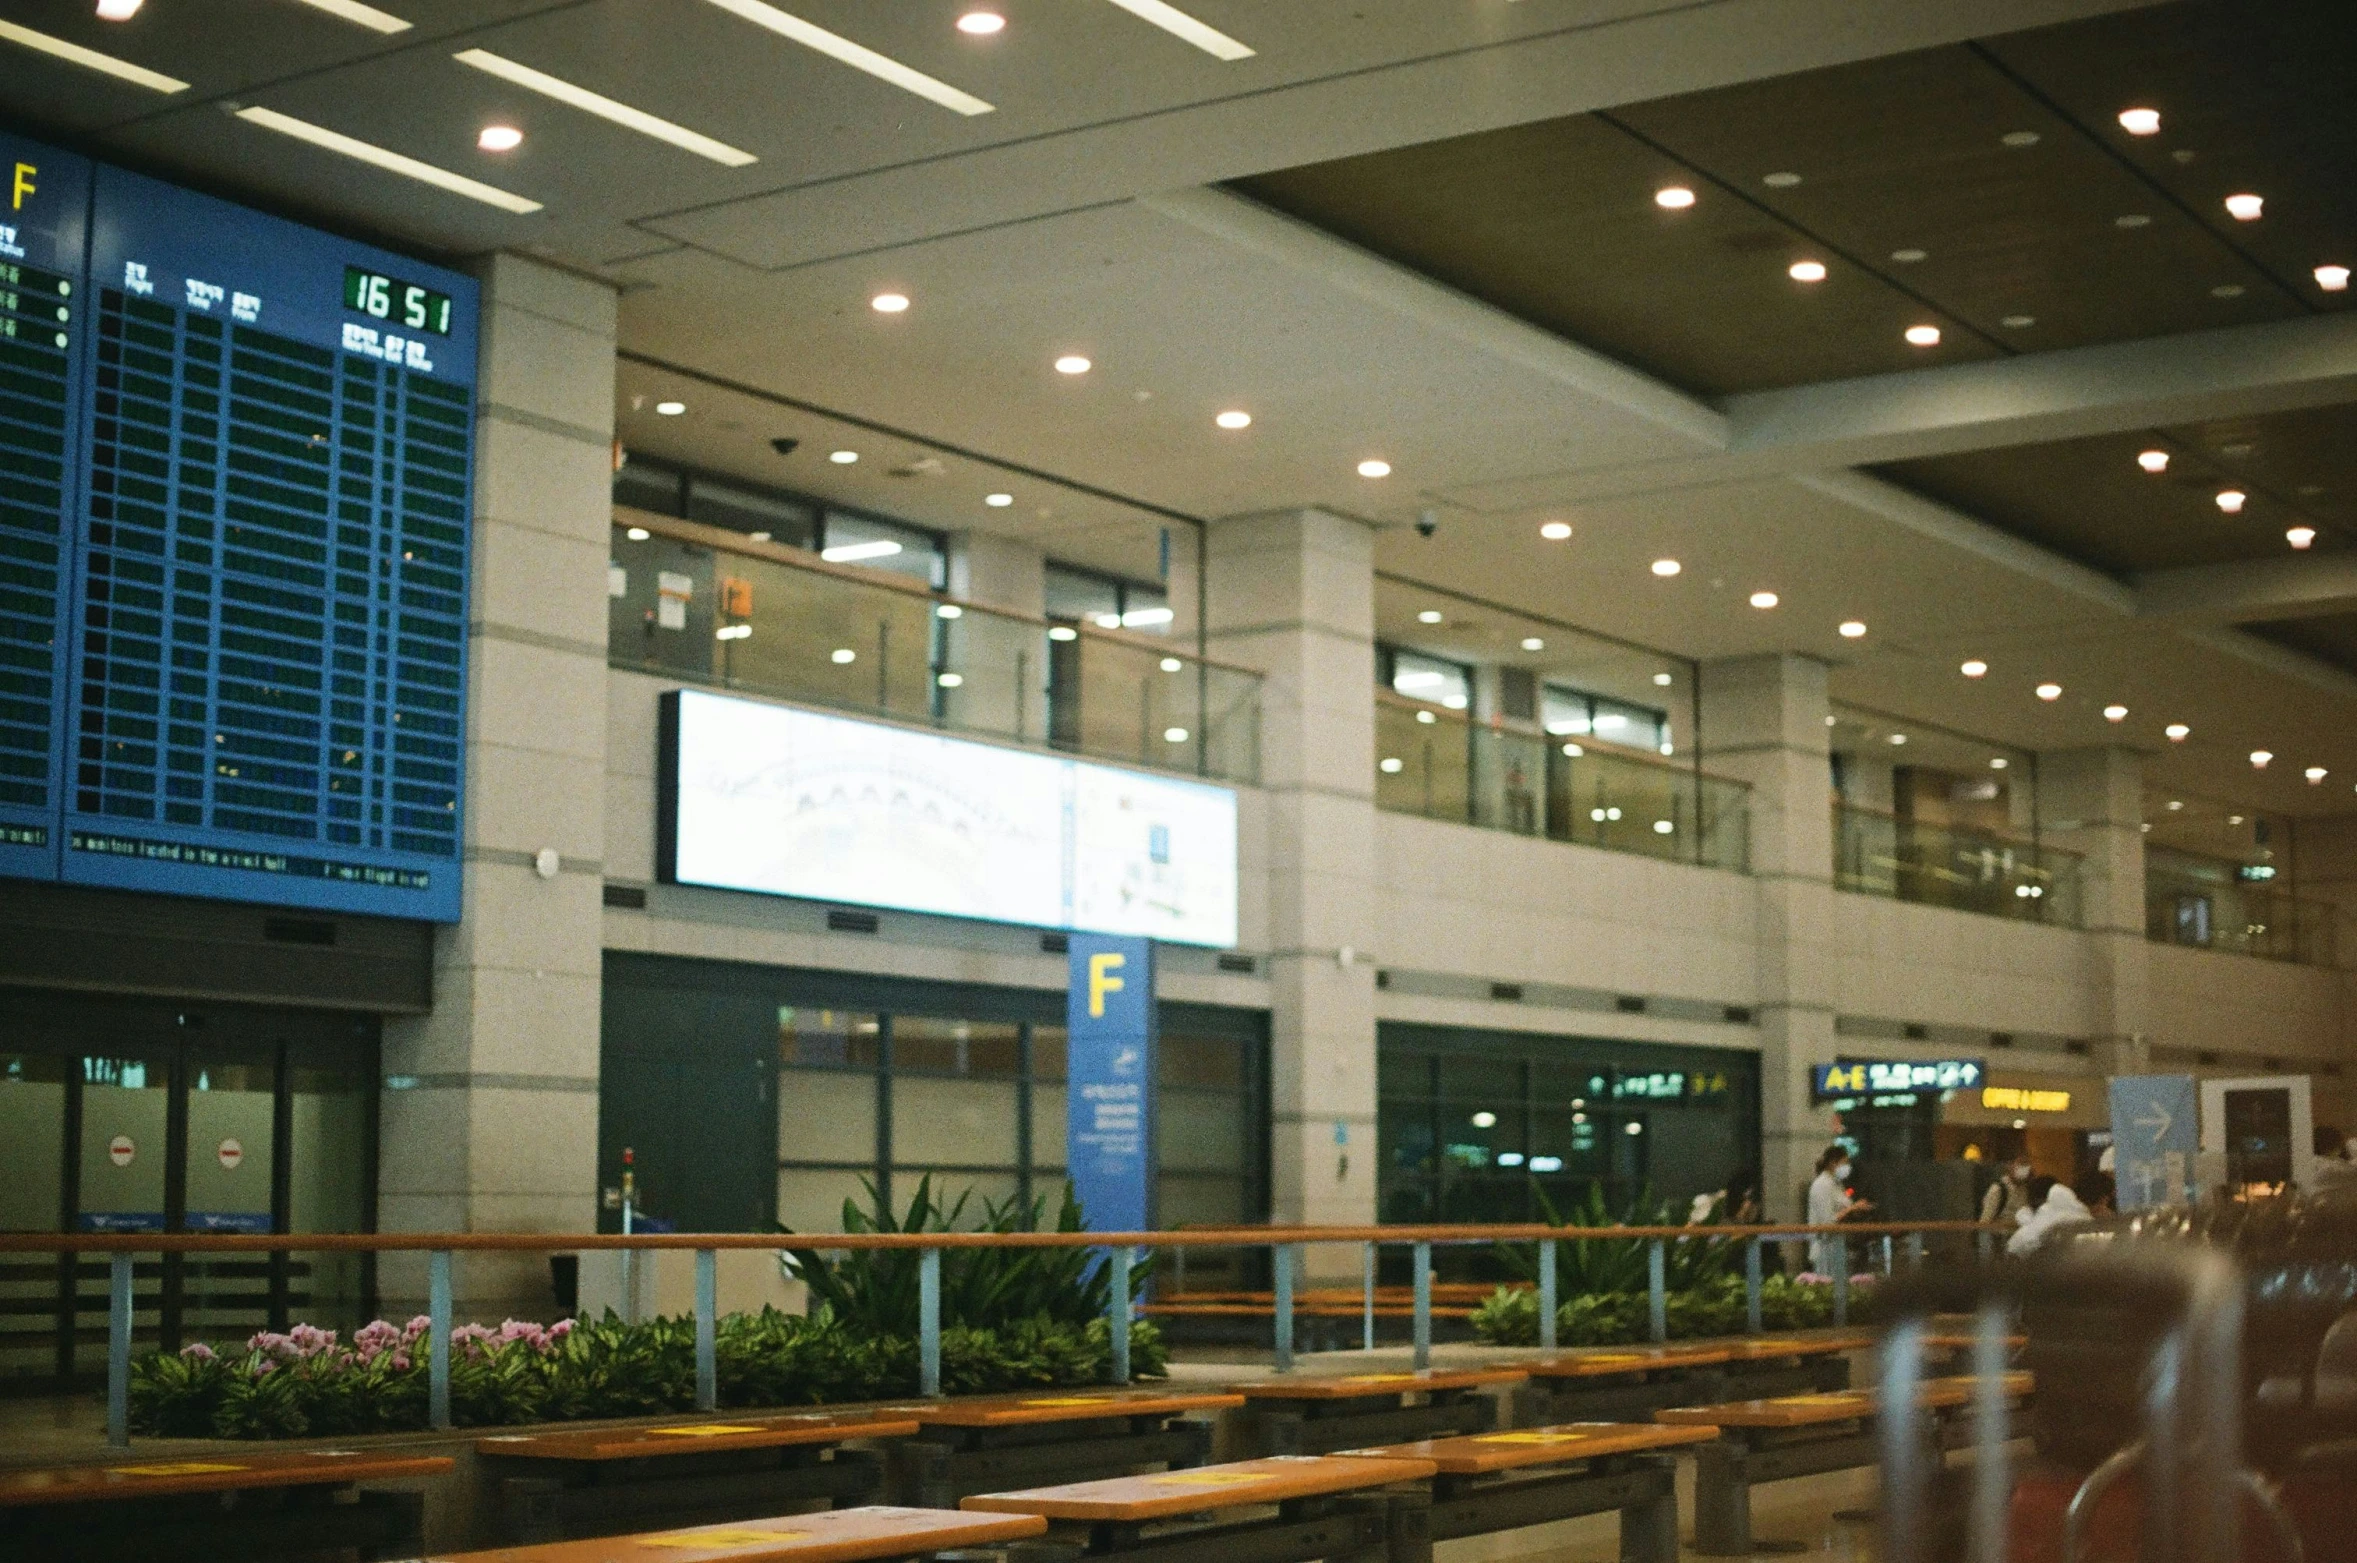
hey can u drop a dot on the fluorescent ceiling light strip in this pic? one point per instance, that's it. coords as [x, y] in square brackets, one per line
[1179, 24]
[858, 57]
[91, 59]
[391, 162]
[367, 16]
[604, 107]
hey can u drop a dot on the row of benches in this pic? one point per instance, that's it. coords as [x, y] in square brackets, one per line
[932, 1454]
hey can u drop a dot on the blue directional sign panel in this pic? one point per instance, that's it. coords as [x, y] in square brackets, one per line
[2156, 1135]
[236, 477]
[1110, 1068]
[1866, 1077]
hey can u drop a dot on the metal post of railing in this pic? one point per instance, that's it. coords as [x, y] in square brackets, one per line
[1915, 1250]
[1117, 1314]
[707, 1330]
[118, 1352]
[1839, 1248]
[1985, 1243]
[1751, 1286]
[1281, 1260]
[1657, 1291]
[438, 1340]
[1367, 1299]
[1423, 1306]
[1889, 1260]
[1546, 1294]
[929, 1322]
[1905, 1479]
[1986, 1541]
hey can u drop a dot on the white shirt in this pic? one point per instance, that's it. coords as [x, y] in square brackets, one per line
[1828, 1200]
[2062, 1208]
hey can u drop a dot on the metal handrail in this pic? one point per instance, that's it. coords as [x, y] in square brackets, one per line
[1120, 1248]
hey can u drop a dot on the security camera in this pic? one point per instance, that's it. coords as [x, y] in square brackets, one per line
[783, 445]
[1427, 523]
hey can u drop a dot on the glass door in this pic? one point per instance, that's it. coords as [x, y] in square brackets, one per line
[33, 1092]
[232, 1115]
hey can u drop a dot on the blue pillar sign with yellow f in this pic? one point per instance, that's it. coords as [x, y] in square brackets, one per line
[1109, 1105]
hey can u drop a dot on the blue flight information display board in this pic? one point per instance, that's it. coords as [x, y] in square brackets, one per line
[235, 519]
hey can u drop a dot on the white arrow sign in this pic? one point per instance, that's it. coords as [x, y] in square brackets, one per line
[2158, 1121]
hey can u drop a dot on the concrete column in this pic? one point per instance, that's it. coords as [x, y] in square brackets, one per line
[1763, 722]
[490, 1107]
[2092, 803]
[1293, 595]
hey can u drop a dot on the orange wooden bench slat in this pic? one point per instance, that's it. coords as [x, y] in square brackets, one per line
[1300, 1311]
[209, 1473]
[1237, 1485]
[1835, 1406]
[1027, 1410]
[690, 1438]
[1477, 1454]
[1753, 1348]
[1947, 1342]
[1355, 1386]
[832, 1536]
[1597, 1362]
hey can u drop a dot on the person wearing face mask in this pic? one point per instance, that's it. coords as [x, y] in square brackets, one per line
[2010, 1194]
[1830, 1201]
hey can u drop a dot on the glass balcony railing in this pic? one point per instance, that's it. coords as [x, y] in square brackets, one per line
[2210, 904]
[707, 605]
[1953, 866]
[1435, 763]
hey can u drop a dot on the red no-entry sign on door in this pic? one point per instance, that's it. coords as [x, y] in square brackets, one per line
[121, 1149]
[231, 1153]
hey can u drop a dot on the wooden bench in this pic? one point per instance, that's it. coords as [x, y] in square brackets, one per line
[239, 1505]
[595, 1482]
[1761, 1367]
[1326, 1506]
[832, 1536]
[1622, 1383]
[1799, 1435]
[1318, 1414]
[1492, 1482]
[980, 1444]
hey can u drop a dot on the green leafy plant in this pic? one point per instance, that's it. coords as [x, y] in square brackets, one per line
[1509, 1316]
[1619, 1264]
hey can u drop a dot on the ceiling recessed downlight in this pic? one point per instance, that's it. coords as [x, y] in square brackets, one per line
[889, 303]
[842, 458]
[1429, 616]
[379, 157]
[1806, 271]
[2115, 713]
[2049, 691]
[2259, 759]
[2177, 732]
[1999, 763]
[1910, 257]
[1234, 418]
[2018, 322]
[90, 59]
[2141, 122]
[1374, 467]
[670, 409]
[998, 501]
[1764, 599]
[359, 15]
[842, 656]
[2246, 208]
[637, 534]
[1975, 668]
[118, 10]
[1533, 643]
[1187, 29]
[499, 138]
[1898, 739]
[1673, 198]
[860, 58]
[1666, 568]
[2231, 500]
[981, 24]
[2300, 536]
[1923, 336]
[1663, 680]
[1853, 629]
[2019, 138]
[2315, 774]
[2153, 460]
[1783, 180]
[611, 110]
[2333, 279]
[1073, 363]
[1555, 531]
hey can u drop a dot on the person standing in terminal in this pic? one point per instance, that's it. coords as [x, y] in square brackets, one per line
[2335, 1173]
[2009, 1195]
[1831, 1201]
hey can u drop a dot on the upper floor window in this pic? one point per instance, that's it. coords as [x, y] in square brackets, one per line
[766, 515]
[1431, 679]
[1107, 601]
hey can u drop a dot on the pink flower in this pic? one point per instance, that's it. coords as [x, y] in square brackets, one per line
[197, 1351]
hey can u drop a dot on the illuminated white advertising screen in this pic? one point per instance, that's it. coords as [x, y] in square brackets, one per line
[782, 801]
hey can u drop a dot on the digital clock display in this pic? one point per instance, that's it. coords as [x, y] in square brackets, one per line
[406, 304]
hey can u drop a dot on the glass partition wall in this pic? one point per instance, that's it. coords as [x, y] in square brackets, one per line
[1924, 814]
[1492, 718]
[2225, 877]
